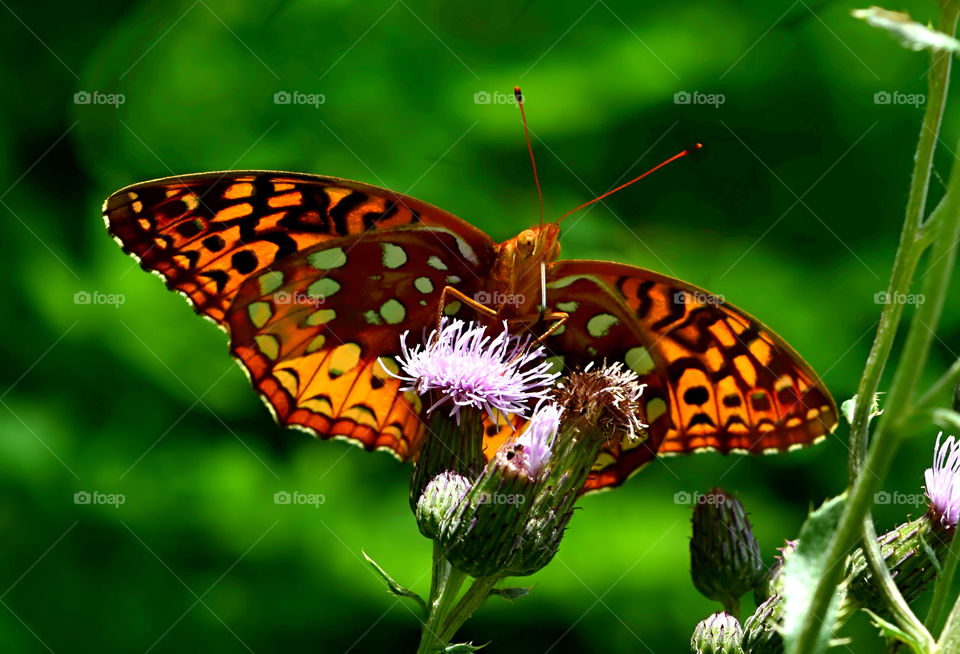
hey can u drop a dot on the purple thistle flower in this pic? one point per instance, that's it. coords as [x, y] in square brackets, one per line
[943, 482]
[538, 437]
[467, 366]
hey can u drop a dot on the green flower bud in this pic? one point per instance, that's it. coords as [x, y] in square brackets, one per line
[760, 630]
[718, 634]
[909, 551]
[772, 580]
[438, 499]
[481, 535]
[724, 556]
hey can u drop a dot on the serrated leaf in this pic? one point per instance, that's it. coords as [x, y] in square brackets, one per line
[396, 588]
[911, 34]
[891, 632]
[511, 594]
[462, 648]
[803, 569]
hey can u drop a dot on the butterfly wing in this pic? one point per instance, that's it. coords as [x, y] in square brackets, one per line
[206, 234]
[717, 378]
[314, 278]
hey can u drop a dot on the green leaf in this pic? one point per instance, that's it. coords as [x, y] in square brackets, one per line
[462, 648]
[891, 632]
[396, 588]
[511, 594]
[803, 569]
[849, 407]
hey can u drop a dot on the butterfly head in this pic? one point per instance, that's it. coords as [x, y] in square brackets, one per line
[537, 244]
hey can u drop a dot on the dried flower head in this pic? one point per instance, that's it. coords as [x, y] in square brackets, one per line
[610, 395]
[467, 366]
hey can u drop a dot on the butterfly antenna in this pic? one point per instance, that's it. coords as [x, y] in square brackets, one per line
[679, 155]
[519, 96]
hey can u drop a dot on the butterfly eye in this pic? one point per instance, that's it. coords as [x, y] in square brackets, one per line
[526, 242]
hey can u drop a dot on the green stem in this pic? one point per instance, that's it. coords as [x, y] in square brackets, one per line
[947, 381]
[912, 242]
[476, 595]
[942, 586]
[444, 588]
[869, 466]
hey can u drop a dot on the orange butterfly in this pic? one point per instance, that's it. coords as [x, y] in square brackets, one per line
[315, 278]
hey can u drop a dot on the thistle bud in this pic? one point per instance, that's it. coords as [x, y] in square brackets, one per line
[724, 555]
[481, 534]
[761, 633]
[718, 634]
[441, 495]
[772, 580]
[598, 406]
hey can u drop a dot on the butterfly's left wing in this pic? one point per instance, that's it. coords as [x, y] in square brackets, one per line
[717, 378]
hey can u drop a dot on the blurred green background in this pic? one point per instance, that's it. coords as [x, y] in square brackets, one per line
[792, 211]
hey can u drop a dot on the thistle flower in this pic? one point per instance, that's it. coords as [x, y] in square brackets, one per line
[943, 482]
[536, 440]
[718, 634]
[466, 366]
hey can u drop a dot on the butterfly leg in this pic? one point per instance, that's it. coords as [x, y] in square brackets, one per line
[559, 316]
[470, 302]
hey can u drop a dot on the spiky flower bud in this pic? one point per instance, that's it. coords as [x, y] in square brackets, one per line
[718, 634]
[772, 580]
[761, 633]
[599, 406]
[441, 495]
[724, 555]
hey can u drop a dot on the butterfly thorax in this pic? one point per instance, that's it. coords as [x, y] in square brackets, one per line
[514, 285]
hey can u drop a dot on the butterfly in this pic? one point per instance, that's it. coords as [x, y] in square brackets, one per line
[315, 278]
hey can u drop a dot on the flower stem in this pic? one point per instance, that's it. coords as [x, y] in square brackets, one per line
[444, 588]
[476, 595]
[942, 586]
[868, 467]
